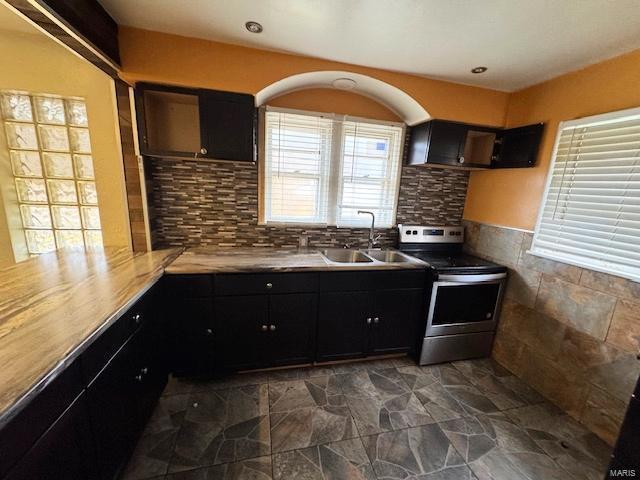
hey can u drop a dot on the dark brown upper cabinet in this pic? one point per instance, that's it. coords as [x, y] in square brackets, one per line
[195, 123]
[445, 143]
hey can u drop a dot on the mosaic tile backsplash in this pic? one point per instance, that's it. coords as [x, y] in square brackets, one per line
[216, 203]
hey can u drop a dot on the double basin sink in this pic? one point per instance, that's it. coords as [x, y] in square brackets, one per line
[346, 256]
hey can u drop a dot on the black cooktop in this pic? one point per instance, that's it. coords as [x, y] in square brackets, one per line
[459, 263]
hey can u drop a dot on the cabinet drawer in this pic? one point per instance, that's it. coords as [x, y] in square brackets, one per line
[98, 354]
[188, 285]
[252, 284]
[22, 432]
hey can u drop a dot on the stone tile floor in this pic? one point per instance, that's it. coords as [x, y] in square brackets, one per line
[380, 419]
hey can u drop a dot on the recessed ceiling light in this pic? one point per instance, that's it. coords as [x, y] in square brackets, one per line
[344, 83]
[253, 27]
[479, 70]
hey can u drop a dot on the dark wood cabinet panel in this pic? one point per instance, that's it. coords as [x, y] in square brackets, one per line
[446, 143]
[19, 435]
[292, 325]
[191, 335]
[113, 411]
[64, 452]
[228, 125]
[518, 147]
[263, 283]
[396, 320]
[241, 325]
[343, 325]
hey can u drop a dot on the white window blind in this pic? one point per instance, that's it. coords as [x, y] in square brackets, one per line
[590, 215]
[322, 169]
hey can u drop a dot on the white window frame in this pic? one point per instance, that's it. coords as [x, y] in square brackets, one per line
[334, 185]
[584, 263]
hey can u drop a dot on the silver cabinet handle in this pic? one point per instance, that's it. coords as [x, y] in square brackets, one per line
[269, 286]
[460, 159]
[139, 377]
[264, 328]
[136, 318]
[376, 320]
[272, 327]
[144, 370]
[369, 320]
[209, 331]
[203, 151]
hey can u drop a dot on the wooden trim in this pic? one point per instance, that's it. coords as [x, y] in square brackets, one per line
[65, 20]
[136, 192]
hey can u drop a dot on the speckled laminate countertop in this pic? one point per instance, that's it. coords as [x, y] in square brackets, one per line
[238, 260]
[54, 305]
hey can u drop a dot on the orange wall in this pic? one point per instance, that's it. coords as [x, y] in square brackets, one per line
[335, 101]
[159, 57]
[512, 197]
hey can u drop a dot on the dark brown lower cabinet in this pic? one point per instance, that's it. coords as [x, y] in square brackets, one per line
[113, 411]
[85, 423]
[242, 323]
[265, 330]
[292, 325]
[342, 325]
[397, 318]
[64, 452]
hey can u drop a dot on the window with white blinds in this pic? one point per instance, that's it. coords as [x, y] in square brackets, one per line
[322, 169]
[590, 215]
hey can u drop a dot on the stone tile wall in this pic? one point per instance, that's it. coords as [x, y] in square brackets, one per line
[571, 333]
[216, 203]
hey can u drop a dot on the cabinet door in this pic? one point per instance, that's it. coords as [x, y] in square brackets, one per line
[150, 358]
[518, 147]
[343, 330]
[241, 325]
[292, 326]
[227, 123]
[64, 452]
[446, 142]
[398, 315]
[191, 337]
[113, 412]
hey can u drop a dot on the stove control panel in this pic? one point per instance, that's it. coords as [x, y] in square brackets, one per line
[430, 234]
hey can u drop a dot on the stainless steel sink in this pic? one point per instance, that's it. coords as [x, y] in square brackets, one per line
[388, 256]
[345, 255]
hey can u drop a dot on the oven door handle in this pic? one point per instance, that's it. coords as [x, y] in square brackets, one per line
[470, 279]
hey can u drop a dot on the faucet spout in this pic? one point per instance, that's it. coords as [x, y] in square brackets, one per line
[371, 239]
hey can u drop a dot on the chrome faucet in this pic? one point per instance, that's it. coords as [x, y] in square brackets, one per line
[372, 241]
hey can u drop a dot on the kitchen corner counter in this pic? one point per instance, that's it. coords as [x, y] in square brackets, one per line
[53, 306]
[207, 260]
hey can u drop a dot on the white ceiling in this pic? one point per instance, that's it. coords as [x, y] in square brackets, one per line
[522, 42]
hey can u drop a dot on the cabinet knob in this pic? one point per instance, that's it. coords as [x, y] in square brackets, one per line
[209, 331]
[460, 159]
[272, 327]
[369, 320]
[264, 328]
[269, 286]
[144, 370]
[137, 318]
[376, 320]
[203, 151]
[139, 377]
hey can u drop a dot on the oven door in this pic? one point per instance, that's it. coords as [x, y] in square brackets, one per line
[465, 303]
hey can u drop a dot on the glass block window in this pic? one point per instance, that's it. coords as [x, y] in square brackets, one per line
[50, 153]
